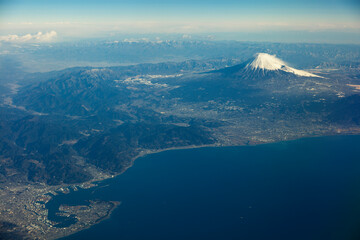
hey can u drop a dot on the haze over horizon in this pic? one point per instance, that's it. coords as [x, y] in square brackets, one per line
[333, 21]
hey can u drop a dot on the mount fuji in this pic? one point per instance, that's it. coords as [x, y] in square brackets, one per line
[264, 65]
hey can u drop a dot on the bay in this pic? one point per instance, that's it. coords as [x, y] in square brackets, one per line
[302, 189]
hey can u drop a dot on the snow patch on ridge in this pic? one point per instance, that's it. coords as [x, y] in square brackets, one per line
[264, 61]
[299, 72]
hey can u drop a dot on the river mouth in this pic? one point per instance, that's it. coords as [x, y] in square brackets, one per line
[302, 189]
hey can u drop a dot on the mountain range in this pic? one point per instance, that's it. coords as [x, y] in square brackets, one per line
[67, 126]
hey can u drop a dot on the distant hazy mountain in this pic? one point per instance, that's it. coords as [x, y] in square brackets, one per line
[56, 56]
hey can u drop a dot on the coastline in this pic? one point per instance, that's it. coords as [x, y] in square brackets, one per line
[93, 183]
[249, 143]
[116, 204]
[214, 145]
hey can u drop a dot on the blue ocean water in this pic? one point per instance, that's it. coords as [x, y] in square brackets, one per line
[303, 189]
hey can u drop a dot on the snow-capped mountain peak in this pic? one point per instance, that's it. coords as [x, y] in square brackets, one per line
[264, 61]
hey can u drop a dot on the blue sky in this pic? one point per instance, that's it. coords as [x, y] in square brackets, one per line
[90, 18]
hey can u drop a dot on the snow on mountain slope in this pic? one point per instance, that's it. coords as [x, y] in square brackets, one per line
[264, 61]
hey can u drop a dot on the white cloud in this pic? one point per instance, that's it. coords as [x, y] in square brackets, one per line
[30, 38]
